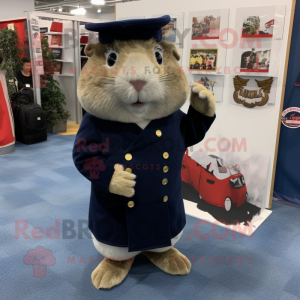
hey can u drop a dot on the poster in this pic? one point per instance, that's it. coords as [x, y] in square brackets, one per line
[214, 83]
[169, 31]
[203, 59]
[205, 27]
[254, 26]
[227, 188]
[255, 60]
[38, 64]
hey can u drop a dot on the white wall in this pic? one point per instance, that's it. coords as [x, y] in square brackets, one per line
[102, 17]
[107, 17]
[258, 125]
[13, 9]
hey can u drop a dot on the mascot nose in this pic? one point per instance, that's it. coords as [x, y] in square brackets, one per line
[138, 84]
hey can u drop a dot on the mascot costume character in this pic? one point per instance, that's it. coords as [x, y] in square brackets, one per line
[131, 143]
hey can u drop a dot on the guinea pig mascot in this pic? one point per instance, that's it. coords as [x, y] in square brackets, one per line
[131, 143]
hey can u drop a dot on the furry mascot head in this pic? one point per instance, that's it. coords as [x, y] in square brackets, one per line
[131, 143]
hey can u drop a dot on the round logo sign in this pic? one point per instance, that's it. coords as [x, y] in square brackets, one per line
[291, 117]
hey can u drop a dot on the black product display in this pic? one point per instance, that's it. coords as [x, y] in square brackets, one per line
[30, 122]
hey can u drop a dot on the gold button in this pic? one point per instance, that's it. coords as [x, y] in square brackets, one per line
[166, 155]
[129, 170]
[158, 133]
[164, 181]
[165, 169]
[128, 156]
[166, 198]
[130, 204]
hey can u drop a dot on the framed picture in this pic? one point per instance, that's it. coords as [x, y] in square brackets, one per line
[172, 32]
[205, 27]
[169, 31]
[213, 82]
[203, 60]
[254, 26]
[255, 60]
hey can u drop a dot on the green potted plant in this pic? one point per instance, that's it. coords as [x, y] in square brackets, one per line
[11, 48]
[53, 100]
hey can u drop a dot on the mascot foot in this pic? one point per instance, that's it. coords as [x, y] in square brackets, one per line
[172, 261]
[110, 273]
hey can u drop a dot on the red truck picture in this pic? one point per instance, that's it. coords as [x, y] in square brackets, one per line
[214, 181]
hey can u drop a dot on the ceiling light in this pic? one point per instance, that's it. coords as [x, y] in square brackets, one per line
[98, 2]
[78, 11]
[60, 9]
[99, 11]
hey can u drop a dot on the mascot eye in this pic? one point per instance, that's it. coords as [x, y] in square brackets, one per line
[158, 57]
[111, 59]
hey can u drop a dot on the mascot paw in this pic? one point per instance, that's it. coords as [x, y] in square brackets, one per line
[202, 99]
[172, 261]
[122, 182]
[110, 273]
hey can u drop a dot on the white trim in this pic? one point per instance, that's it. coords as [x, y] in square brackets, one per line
[13, 19]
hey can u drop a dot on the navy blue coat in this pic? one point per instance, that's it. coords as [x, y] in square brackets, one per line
[151, 222]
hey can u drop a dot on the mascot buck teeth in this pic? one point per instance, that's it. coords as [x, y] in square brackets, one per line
[131, 143]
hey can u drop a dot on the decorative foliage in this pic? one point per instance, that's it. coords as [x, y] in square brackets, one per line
[53, 100]
[11, 48]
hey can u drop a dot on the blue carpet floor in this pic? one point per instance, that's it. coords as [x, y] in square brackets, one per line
[40, 187]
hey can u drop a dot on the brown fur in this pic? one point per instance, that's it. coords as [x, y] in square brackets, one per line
[110, 273]
[107, 94]
[172, 261]
[122, 183]
[206, 104]
[100, 95]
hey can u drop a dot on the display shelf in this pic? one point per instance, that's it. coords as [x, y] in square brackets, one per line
[56, 33]
[62, 60]
[249, 36]
[56, 47]
[66, 75]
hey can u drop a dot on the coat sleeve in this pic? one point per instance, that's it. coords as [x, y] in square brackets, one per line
[87, 155]
[194, 126]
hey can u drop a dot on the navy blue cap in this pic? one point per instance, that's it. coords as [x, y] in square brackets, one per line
[135, 29]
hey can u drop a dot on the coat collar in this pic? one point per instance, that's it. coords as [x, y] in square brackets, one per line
[141, 138]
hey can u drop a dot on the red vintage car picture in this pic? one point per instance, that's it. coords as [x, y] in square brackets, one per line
[213, 180]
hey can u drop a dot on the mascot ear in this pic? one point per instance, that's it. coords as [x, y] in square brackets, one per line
[89, 50]
[176, 53]
[171, 49]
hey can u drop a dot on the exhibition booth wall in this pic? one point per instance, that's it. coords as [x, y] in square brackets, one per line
[245, 135]
[287, 180]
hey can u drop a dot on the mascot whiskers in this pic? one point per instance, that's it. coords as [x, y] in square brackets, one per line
[131, 142]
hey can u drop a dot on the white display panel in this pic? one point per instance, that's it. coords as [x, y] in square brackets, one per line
[260, 32]
[256, 127]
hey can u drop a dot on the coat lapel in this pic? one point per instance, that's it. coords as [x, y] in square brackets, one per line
[141, 138]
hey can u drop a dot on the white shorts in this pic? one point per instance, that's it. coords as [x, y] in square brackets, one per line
[121, 253]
